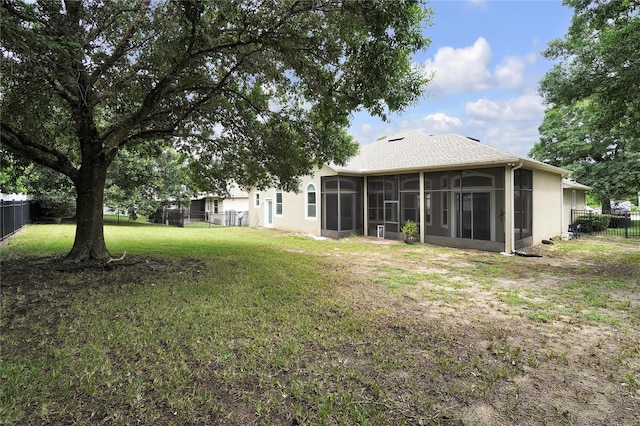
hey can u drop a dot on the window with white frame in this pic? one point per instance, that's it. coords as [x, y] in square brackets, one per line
[256, 199]
[311, 209]
[216, 206]
[279, 202]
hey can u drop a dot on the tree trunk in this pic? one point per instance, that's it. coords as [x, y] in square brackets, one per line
[89, 243]
[606, 204]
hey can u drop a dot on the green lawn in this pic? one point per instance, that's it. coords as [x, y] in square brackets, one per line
[123, 219]
[245, 326]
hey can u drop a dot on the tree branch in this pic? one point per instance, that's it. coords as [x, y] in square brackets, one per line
[122, 46]
[9, 7]
[41, 154]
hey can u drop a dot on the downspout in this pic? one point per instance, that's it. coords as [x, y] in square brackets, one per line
[513, 210]
[564, 227]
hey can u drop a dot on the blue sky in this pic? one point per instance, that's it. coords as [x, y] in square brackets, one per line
[487, 59]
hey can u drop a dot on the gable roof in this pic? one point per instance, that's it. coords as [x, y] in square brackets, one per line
[418, 151]
[234, 192]
[572, 184]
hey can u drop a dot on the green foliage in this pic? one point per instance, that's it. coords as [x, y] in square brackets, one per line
[594, 97]
[12, 172]
[410, 228]
[593, 222]
[603, 159]
[138, 184]
[592, 200]
[260, 96]
[618, 221]
[599, 222]
[52, 191]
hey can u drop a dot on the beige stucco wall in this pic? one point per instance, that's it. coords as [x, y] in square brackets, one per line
[238, 204]
[549, 212]
[567, 205]
[547, 206]
[294, 208]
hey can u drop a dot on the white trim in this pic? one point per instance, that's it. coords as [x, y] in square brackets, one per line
[512, 197]
[268, 208]
[306, 202]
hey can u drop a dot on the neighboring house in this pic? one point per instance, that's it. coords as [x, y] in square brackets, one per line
[229, 210]
[460, 192]
[574, 198]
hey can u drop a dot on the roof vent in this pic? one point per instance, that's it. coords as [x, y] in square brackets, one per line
[473, 139]
[396, 139]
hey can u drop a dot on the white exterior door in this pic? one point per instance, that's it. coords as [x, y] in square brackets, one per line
[268, 213]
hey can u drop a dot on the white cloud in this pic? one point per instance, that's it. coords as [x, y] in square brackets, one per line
[531, 58]
[513, 137]
[509, 73]
[467, 69]
[527, 107]
[461, 69]
[366, 129]
[441, 122]
[477, 4]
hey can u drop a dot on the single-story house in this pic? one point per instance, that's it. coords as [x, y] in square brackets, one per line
[460, 192]
[574, 198]
[230, 210]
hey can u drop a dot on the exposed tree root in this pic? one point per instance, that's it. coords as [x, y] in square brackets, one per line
[118, 259]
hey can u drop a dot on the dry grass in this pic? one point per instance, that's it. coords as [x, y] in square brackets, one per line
[239, 326]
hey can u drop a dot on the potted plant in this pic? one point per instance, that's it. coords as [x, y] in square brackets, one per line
[410, 230]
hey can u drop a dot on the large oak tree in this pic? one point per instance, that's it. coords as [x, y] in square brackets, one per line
[591, 126]
[256, 90]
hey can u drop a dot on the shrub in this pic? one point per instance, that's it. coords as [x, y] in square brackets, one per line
[617, 221]
[593, 222]
[410, 230]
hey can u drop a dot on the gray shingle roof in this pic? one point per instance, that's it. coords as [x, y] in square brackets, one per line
[572, 184]
[418, 151]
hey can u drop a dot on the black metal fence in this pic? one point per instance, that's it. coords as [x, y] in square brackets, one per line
[619, 223]
[13, 216]
[226, 218]
[183, 216]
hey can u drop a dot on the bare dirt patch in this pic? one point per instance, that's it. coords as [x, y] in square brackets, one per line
[562, 367]
[32, 287]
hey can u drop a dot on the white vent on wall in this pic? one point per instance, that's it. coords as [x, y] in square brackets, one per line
[380, 231]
